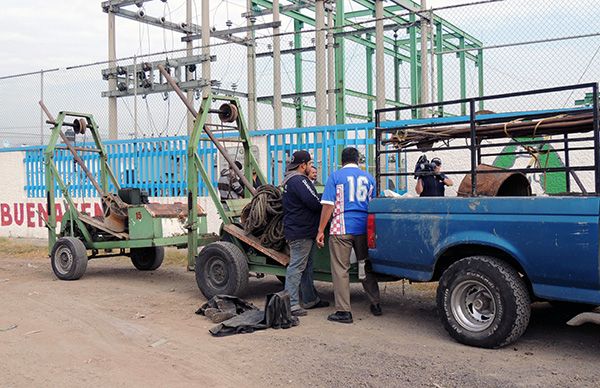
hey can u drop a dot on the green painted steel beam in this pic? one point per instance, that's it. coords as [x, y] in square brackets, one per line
[408, 5]
[369, 58]
[479, 65]
[405, 44]
[339, 52]
[298, 72]
[396, 76]
[463, 77]
[371, 97]
[310, 21]
[389, 11]
[308, 108]
[414, 70]
[439, 67]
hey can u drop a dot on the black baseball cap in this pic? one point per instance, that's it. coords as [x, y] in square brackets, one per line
[297, 159]
[437, 161]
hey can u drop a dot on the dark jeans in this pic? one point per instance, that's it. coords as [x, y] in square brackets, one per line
[299, 274]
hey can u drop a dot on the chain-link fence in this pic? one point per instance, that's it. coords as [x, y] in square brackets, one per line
[480, 47]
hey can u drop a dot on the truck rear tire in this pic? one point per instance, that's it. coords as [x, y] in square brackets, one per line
[147, 259]
[221, 269]
[483, 302]
[69, 258]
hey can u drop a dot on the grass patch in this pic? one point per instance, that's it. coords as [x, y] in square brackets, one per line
[25, 248]
[174, 256]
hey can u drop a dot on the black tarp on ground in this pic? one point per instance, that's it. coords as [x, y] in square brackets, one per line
[236, 316]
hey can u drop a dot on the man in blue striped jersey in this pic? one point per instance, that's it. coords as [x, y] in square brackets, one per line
[346, 198]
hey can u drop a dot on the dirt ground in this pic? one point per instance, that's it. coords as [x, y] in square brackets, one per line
[120, 327]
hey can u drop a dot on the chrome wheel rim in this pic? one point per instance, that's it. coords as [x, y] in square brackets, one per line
[473, 305]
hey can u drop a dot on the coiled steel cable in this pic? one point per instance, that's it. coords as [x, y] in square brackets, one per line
[263, 217]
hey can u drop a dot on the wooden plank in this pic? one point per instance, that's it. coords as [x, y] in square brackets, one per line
[240, 234]
[100, 225]
[171, 210]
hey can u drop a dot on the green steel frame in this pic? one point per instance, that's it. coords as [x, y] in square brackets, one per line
[447, 37]
[196, 225]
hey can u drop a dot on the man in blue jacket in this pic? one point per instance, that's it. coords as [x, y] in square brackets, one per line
[301, 211]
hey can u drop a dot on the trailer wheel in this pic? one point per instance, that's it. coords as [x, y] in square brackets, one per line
[221, 268]
[147, 259]
[69, 258]
[483, 302]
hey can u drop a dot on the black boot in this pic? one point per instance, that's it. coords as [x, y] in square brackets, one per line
[376, 309]
[341, 317]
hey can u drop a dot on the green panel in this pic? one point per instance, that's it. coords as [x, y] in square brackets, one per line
[142, 225]
[555, 182]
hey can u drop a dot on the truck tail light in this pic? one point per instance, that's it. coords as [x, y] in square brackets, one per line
[371, 231]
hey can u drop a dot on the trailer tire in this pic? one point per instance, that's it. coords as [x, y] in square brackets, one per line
[483, 302]
[147, 259]
[69, 258]
[221, 269]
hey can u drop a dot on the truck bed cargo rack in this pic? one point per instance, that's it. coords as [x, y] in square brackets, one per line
[483, 132]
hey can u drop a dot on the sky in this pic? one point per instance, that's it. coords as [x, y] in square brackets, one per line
[36, 34]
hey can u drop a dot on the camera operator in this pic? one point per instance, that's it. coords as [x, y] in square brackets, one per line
[431, 181]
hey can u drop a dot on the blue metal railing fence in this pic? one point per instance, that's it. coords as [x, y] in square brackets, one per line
[158, 165]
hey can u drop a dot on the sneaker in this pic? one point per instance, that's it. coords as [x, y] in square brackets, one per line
[341, 317]
[299, 312]
[319, 304]
[376, 309]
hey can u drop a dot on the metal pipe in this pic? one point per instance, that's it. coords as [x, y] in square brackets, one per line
[74, 152]
[251, 70]
[379, 58]
[424, 60]
[205, 45]
[320, 69]
[277, 109]
[135, 107]
[41, 110]
[330, 69]
[432, 58]
[188, 74]
[208, 132]
[112, 80]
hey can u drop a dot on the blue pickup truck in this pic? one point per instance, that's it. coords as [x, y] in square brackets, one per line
[493, 254]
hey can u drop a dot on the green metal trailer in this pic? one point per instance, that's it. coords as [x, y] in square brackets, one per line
[224, 266]
[128, 226]
[225, 261]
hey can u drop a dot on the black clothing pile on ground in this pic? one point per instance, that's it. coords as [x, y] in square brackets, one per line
[236, 316]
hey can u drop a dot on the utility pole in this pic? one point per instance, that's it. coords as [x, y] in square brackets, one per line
[188, 73]
[379, 57]
[320, 67]
[205, 45]
[330, 68]
[424, 60]
[112, 81]
[277, 114]
[251, 56]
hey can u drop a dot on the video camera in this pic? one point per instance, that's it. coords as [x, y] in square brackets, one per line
[424, 167]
